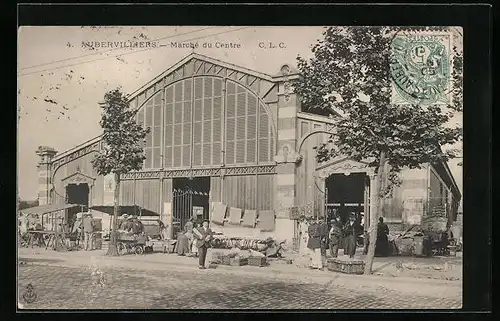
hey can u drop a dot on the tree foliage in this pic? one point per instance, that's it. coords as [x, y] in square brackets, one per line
[22, 204]
[123, 138]
[350, 72]
[123, 141]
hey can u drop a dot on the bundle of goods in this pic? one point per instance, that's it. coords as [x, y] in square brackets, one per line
[436, 224]
[241, 243]
[349, 266]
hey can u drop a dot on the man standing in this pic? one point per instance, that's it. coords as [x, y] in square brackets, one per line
[314, 243]
[324, 239]
[351, 233]
[203, 236]
[335, 235]
[88, 230]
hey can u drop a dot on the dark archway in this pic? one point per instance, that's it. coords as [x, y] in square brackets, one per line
[77, 194]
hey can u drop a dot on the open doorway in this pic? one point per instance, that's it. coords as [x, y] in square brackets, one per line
[190, 200]
[347, 194]
[76, 194]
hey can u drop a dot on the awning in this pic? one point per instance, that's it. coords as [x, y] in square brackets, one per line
[48, 208]
[129, 209]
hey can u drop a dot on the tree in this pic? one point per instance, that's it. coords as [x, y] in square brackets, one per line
[22, 204]
[350, 73]
[122, 150]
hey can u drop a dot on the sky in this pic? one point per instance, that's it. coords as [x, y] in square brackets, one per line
[61, 80]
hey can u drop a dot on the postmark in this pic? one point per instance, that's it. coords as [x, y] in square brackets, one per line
[420, 67]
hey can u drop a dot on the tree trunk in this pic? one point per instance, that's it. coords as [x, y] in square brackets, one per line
[373, 229]
[113, 249]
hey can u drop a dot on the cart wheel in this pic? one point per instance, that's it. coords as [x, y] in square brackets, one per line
[139, 250]
[121, 249]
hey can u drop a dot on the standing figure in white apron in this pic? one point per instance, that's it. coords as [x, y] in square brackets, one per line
[304, 237]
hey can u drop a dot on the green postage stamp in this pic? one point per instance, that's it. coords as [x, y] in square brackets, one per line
[421, 68]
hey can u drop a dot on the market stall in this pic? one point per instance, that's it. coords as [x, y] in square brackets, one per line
[41, 235]
[429, 238]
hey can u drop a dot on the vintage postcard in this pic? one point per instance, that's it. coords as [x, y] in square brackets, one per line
[219, 167]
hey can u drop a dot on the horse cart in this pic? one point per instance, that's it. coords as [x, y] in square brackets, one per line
[128, 243]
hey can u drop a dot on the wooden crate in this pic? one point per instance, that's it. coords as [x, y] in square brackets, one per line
[257, 261]
[346, 266]
[217, 257]
[97, 244]
[226, 260]
[238, 261]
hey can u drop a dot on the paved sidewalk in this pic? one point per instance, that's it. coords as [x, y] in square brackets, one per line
[166, 262]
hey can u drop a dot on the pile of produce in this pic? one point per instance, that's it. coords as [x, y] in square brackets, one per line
[243, 254]
[240, 243]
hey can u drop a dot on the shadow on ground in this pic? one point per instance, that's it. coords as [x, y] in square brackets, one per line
[24, 260]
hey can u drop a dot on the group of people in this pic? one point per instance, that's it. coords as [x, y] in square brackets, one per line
[194, 241]
[317, 237]
[81, 228]
[131, 224]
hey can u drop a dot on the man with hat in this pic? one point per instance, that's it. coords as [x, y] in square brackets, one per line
[203, 235]
[316, 234]
[334, 236]
[88, 230]
[350, 236]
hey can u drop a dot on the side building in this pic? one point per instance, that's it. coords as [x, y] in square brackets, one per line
[226, 134]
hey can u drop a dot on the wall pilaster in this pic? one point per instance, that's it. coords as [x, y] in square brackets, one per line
[46, 155]
[286, 158]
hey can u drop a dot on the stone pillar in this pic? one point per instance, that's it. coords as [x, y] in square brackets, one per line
[46, 155]
[286, 158]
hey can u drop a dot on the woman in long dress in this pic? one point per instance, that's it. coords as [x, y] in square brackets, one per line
[194, 246]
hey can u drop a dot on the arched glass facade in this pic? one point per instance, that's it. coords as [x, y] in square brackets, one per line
[205, 126]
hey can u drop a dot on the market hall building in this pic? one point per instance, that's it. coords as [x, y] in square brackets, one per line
[223, 134]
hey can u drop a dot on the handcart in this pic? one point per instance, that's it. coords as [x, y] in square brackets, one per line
[131, 243]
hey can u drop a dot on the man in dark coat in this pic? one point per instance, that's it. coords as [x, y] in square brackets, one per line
[334, 236]
[382, 244]
[324, 240]
[350, 237]
[316, 233]
[203, 235]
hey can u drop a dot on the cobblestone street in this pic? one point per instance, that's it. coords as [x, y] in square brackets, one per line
[73, 288]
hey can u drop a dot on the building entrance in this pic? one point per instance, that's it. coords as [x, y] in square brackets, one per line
[76, 194]
[347, 194]
[190, 200]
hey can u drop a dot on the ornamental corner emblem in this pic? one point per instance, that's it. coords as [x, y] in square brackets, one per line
[29, 295]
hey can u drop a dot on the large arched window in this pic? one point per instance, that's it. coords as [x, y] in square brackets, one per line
[150, 115]
[194, 132]
[249, 129]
